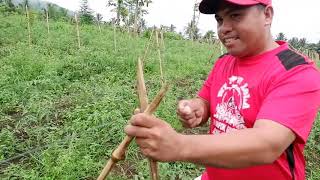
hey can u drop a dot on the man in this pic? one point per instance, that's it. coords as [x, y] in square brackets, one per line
[262, 99]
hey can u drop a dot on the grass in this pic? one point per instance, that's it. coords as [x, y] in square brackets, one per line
[73, 103]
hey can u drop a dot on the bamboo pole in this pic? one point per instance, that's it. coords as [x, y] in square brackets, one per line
[78, 31]
[143, 99]
[114, 37]
[147, 46]
[162, 41]
[29, 28]
[141, 87]
[99, 27]
[160, 60]
[48, 27]
[119, 153]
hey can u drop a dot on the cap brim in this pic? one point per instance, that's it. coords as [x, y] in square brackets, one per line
[210, 6]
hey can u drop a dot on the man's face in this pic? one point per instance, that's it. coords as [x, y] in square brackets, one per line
[241, 29]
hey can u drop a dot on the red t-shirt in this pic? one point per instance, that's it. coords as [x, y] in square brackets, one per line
[280, 85]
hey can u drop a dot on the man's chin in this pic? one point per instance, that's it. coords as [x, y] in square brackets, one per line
[235, 53]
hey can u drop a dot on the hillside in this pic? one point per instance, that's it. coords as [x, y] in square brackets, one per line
[40, 5]
[74, 103]
[63, 109]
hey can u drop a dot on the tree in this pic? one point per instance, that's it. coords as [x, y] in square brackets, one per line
[165, 28]
[294, 42]
[62, 13]
[209, 36]
[10, 5]
[281, 37]
[172, 28]
[139, 11]
[192, 30]
[51, 10]
[98, 17]
[120, 8]
[86, 16]
[303, 43]
[26, 3]
[299, 44]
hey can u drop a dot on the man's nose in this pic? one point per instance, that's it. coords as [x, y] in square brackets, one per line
[225, 28]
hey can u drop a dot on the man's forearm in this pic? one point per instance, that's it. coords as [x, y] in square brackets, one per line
[238, 149]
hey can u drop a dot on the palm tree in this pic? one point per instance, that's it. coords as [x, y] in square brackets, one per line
[281, 37]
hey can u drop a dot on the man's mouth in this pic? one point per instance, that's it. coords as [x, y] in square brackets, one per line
[230, 40]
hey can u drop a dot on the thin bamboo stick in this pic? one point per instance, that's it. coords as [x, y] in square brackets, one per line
[162, 41]
[99, 27]
[160, 60]
[78, 31]
[143, 99]
[147, 46]
[29, 28]
[114, 37]
[48, 27]
[141, 87]
[119, 153]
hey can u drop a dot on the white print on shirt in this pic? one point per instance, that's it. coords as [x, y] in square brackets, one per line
[234, 96]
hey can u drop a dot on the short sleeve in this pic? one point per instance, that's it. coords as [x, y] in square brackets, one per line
[293, 100]
[205, 89]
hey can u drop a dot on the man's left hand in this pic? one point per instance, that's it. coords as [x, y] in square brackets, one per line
[156, 138]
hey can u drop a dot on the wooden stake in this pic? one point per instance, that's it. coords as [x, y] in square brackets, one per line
[162, 41]
[78, 31]
[147, 46]
[141, 87]
[160, 60]
[143, 99]
[99, 27]
[114, 37]
[119, 153]
[29, 28]
[48, 27]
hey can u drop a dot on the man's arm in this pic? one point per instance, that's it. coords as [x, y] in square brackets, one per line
[262, 144]
[193, 112]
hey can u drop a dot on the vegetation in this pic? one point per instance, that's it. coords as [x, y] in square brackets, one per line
[86, 16]
[300, 43]
[73, 104]
[63, 109]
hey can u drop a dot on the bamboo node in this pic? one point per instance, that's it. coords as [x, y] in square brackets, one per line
[117, 159]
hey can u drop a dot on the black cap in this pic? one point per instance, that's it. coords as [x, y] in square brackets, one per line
[208, 6]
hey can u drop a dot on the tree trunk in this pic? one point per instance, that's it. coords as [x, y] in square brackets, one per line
[136, 17]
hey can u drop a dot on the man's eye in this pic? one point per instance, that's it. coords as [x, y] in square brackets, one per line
[235, 16]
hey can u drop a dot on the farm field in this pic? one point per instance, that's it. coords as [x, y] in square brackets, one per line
[63, 109]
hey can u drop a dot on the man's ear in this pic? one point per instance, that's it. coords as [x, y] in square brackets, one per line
[268, 12]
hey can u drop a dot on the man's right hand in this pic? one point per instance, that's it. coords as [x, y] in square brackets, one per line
[192, 112]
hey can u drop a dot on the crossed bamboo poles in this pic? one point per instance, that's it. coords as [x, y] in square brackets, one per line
[119, 153]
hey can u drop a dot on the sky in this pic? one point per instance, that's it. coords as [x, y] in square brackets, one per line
[291, 17]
